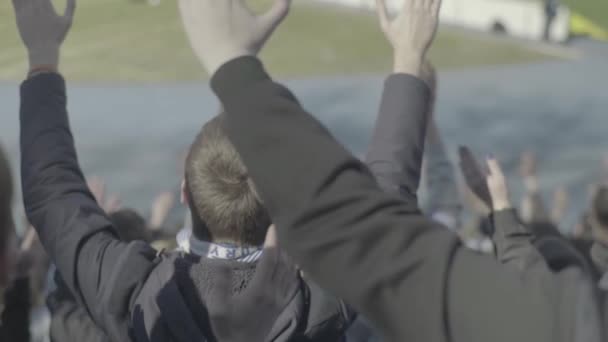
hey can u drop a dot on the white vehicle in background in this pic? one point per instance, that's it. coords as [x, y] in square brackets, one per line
[518, 18]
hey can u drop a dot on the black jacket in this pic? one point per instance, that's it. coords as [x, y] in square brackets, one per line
[409, 276]
[70, 321]
[397, 146]
[396, 149]
[15, 318]
[128, 289]
[537, 245]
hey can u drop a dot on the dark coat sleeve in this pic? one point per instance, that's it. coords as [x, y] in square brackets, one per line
[16, 314]
[407, 275]
[524, 248]
[397, 145]
[103, 273]
[69, 320]
[514, 242]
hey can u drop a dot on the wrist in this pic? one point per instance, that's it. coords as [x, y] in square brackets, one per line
[406, 62]
[41, 69]
[500, 205]
[213, 63]
[44, 56]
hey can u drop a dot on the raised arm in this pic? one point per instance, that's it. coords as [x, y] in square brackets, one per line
[395, 153]
[79, 238]
[397, 145]
[351, 237]
[513, 241]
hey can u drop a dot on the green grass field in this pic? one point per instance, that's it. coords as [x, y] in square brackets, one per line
[122, 40]
[596, 10]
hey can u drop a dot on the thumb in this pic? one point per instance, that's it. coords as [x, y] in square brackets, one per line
[275, 15]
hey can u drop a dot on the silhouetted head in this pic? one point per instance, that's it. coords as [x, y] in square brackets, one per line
[223, 200]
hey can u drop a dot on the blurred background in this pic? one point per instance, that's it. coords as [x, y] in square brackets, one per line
[508, 82]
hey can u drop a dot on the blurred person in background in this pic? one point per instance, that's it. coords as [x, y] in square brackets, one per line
[599, 228]
[551, 7]
[512, 240]
[15, 266]
[524, 245]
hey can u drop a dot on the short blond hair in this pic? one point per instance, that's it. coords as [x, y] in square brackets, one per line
[220, 190]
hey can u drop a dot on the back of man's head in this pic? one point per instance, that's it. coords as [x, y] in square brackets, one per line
[600, 207]
[220, 193]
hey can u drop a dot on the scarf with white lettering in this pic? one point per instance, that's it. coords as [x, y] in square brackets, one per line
[188, 243]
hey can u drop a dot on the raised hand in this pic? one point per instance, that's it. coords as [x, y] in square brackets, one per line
[491, 186]
[561, 199]
[411, 32]
[497, 184]
[98, 188]
[43, 30]
[222, 30]
[162, 205]
[528, 170]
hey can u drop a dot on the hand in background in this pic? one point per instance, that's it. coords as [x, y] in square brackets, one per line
[411, 32]
[497, 184]
[162, 205]
[222, 30]
[43, 30]
[528, 171]
[489, 186]
[98, 188]
[561, 199]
